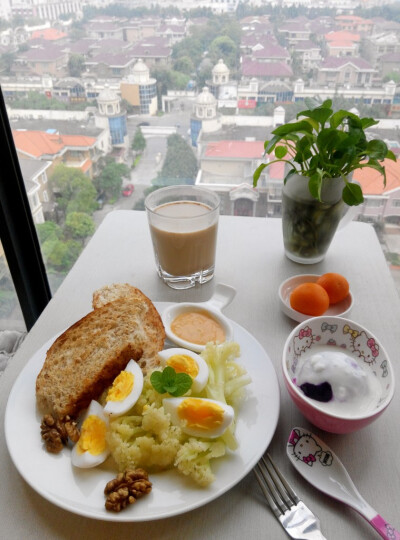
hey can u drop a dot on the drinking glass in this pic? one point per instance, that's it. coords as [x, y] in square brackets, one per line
[183, 223]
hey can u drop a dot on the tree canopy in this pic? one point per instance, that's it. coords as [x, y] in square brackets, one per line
[138, 142]
[180, 164]
[76, 192]
[110, 178]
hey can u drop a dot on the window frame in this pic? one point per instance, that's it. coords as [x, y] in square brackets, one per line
[17, 230]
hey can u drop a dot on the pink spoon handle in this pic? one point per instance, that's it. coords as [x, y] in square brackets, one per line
[384, 528]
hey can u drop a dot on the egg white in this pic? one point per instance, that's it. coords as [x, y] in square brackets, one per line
[86, 460]
[201, 378]
[117, 408]
[171, 406]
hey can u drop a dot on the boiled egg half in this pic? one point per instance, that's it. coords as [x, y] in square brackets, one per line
[185, 361]
[91, 448]
[200, 417]
[125, 390]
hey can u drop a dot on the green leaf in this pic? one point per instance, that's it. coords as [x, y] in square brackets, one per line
[156, 380]
[319, 115]
[390, 155]
[281, 151]
[338, 118]
[368, 122]
[257, 172]
[352, 194]
[171, 382]
[377, 149]
[293, 127]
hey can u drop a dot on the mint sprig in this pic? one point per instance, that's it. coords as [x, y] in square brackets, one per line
[171, 382]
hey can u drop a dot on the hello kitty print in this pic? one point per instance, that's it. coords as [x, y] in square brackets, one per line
[306, 449]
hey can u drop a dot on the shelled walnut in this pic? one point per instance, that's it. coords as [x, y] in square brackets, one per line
[56, 433]
[126, 488]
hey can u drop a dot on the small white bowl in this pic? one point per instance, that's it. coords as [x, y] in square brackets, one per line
[222, 297]
[335, 310]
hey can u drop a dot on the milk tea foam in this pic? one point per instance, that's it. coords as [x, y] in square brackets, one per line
[185, 245]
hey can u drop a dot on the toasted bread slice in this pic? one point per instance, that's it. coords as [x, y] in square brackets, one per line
[87, 357]
[109, 293]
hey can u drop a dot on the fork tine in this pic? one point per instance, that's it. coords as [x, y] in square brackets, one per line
[289, 489]
[280, 496]
[267, 494]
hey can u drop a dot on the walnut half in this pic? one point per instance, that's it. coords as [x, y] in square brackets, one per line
[56, 433]
[126, 488]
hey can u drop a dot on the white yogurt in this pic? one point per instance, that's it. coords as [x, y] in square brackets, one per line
[355, 390]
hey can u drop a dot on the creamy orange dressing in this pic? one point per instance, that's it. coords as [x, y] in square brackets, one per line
[197, 327]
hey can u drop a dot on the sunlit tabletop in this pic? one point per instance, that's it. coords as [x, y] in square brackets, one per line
[250, 258]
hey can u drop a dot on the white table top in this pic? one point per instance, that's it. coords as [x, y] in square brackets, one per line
[250, 258]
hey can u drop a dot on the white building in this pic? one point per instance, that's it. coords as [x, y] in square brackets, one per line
[5, 9]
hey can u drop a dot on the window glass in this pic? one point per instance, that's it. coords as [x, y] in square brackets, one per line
[12, 326]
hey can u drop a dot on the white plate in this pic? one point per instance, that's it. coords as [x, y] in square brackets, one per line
[340, 309]
[81, 491]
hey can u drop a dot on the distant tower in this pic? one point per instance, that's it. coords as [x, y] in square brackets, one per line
[205, 116]
[224, 90]
[111, 116]
[140, 90]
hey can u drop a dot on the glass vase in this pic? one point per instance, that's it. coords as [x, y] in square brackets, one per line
[308, 224]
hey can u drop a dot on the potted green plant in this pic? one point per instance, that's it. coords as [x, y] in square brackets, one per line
[321, 149]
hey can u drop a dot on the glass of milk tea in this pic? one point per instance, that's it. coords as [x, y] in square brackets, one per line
[183, 224]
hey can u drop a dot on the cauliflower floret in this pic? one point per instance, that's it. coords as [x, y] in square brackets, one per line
[148, 441]
[193, 459]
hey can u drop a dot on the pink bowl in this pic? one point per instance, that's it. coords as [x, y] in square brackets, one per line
[357, 342]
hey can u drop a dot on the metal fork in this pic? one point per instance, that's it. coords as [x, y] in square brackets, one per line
[297, 520]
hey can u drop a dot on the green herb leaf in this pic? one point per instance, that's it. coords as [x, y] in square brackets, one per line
[171, 382]
[352, 194]
[280, 152]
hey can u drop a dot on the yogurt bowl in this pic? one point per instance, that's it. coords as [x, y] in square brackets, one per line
[337, 373]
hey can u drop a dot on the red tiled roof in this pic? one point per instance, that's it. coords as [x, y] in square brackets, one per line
[39, 143]
[372, 181]
[342, 35]
[49, 34]
[235, 149]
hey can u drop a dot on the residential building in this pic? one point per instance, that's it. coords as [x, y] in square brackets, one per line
[140, 90]
[377, 45]
[308, 54]
[354, 23]
[270, 52]
[137, 29]
[342, 71]
[42, 60]
[105, 27]
[69, 90]
[382, 203]
[40, 196]
[266, 71]
[342, 43]
[51, 11]
[76, 151]
[295, 31]
[390, 64]
[5, 9]
[367, 94]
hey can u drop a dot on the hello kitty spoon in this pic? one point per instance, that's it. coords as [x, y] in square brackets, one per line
[318, 464]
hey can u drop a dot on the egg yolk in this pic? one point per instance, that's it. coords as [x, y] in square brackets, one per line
[182, 363]
[121, 387]
[200, 414]
[93, 436]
